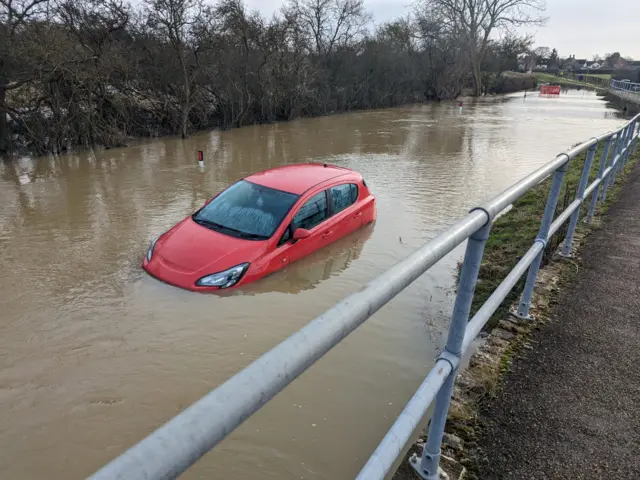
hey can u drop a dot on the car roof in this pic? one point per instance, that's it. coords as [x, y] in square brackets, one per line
[297, 178]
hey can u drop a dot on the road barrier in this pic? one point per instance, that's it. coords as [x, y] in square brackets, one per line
[550, 89]
[179, 443]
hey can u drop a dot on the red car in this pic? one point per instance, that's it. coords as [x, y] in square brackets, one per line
[261, 224]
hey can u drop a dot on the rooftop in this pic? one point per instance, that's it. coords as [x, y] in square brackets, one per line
[297, 178]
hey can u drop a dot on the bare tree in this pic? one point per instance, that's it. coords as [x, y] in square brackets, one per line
[400, 33]
[504, 54]
[14, 15]
[98, 72]
[446, 66]
[174, 20]
[94, 24]
[542, 53]
[330, 23]
[476, 20]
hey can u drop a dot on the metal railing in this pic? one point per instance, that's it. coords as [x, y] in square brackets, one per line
[625, 86]
[587, 78]
[626, 90]
[178, 444]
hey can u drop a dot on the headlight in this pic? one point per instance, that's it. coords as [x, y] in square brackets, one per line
[150, 249]
[225, 279]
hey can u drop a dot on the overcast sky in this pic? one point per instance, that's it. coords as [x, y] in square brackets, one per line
[576, 27]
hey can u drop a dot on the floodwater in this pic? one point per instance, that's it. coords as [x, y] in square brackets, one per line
[94, 354]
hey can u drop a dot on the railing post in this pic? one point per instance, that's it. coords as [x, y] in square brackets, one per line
[603, 165]
[427, 466]
[543, 233]
[626, 135]
[623, 138]
[630, 141]
[635, 142]
[607, 178]
[582, 185]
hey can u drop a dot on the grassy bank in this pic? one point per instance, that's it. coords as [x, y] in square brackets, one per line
[513, 234]
[606, 76]
[549, 78]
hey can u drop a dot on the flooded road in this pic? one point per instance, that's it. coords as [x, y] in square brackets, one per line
[94, 354]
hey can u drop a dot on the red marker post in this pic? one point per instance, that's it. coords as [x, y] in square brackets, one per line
[201, 158]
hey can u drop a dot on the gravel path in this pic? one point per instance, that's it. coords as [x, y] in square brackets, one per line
[570, 408]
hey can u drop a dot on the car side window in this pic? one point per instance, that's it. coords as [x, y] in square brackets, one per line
[343, 196]
[312, 213]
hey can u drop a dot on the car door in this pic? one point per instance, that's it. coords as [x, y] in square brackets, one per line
[312, 216]
[346, 215]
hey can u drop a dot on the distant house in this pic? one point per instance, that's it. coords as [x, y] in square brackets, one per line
[634, 65]
[589, 65]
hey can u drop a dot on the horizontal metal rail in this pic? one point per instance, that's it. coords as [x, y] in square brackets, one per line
[628, 91]
[178, 444]
[625, 86]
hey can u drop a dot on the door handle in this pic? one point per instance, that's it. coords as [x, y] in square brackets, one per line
[326, 234]
[357, 215]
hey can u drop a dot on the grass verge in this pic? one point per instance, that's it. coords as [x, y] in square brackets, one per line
[547, 77]
[514, 233]
[606, 76]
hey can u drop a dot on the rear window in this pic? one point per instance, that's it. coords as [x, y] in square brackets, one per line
[343, 196]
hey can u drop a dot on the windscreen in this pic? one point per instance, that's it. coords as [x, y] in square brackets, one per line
[246, 210]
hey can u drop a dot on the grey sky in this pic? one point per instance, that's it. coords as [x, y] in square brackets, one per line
[579, 27]
[587, 27]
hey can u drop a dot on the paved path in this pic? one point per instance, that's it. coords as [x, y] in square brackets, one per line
[570, 408]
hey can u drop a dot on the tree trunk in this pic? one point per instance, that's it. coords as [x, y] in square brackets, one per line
[184, 117]
[184, 132]
[4, 127]
[477, 79]
[186, 101]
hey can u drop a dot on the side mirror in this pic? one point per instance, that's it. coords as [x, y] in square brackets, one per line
[300, 234]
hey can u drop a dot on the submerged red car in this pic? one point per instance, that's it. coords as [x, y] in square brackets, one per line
[259, 225]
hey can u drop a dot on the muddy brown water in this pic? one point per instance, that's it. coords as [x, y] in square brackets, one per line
[94, 354]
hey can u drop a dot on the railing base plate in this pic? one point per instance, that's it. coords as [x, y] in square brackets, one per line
[514, 313]
[414, 461]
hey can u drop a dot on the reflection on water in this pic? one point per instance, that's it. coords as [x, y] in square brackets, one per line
[317, 267]
[94, 354]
